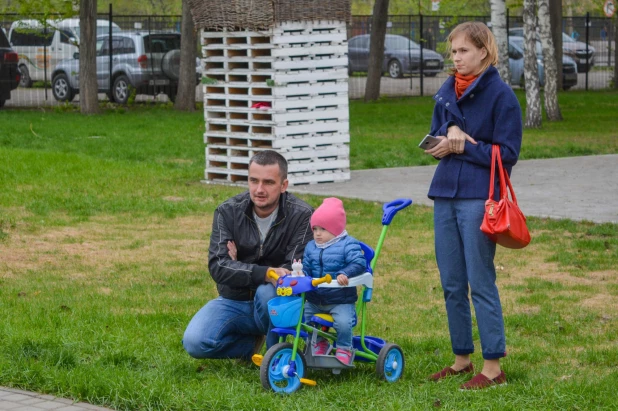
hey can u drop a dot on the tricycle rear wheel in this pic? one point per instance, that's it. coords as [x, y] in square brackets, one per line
[275, 363]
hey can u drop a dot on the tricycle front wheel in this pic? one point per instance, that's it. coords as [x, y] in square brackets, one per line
[275, 366]
[390, 363]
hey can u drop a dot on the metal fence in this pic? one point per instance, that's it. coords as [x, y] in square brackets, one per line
[588, 42]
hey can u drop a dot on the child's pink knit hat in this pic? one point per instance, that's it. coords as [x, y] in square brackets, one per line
[330, 216]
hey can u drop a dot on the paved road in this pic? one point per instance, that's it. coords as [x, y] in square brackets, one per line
[578, 188]
[18, 400]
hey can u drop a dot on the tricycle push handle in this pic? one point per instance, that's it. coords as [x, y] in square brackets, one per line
[326, 279]
[272, 274]
[391, 208]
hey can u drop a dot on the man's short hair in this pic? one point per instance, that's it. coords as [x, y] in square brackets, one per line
[269, 157]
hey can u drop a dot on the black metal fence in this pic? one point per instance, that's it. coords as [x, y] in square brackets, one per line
[588, 43]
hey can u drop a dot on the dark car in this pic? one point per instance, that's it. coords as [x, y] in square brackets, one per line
[9, 73]
[401, 56]
[570, 47]
[516, 64]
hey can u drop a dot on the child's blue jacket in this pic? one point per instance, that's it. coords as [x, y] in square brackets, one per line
[488, 112]
[343, 257]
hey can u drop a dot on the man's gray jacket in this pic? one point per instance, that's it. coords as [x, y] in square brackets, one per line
[233, 221]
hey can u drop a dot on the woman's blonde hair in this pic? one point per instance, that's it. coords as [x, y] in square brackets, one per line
[480, 35]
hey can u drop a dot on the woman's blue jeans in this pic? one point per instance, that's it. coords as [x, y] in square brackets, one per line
[465, 259]
[343, 315]
[226, 328]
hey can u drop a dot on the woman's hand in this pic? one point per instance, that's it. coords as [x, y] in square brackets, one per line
[442, 149]
[457, 139]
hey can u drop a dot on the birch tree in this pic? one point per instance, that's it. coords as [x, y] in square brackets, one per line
[555, 17]
[531, 73]
[552, 108]
[88, 88]
[376, 49]
[498, 26]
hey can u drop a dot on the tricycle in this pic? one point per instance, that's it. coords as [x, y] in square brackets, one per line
[284, 366]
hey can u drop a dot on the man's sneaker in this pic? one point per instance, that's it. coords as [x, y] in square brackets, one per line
[344, 356]
[322, 347]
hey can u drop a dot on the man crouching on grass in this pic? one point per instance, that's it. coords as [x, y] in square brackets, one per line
[264, 228]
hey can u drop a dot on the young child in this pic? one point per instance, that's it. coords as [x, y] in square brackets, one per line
[333, 252]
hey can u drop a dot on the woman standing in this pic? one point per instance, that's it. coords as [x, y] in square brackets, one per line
[474, 109]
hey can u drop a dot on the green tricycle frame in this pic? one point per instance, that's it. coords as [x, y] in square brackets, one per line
[283, 367]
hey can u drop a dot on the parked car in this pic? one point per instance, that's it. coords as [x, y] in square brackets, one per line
[401, 56]
[570, 47]
[146, 62]
[516, 64]
[9, 72]
[60, 40]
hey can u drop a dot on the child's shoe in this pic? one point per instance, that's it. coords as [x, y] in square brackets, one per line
[322, 347]
[344, 356]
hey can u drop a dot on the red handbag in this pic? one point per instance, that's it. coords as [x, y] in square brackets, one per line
[504, 223]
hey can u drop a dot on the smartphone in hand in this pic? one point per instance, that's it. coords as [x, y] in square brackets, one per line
[429, 142]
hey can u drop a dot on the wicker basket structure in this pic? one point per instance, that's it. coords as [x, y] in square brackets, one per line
[234, 15]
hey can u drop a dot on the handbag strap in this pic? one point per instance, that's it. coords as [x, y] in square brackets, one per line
[505, 180]
[492, 176]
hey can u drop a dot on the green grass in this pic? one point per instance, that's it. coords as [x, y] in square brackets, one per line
[387, 133]
[103, 241]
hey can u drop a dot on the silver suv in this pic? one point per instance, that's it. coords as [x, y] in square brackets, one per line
[146, 62]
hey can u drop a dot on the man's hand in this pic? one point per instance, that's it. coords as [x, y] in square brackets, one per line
[457, 139]
[342, 279]
[280, 272]
[231, 250]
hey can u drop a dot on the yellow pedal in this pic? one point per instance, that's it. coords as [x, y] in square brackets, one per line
[257, 359]
[308, 382]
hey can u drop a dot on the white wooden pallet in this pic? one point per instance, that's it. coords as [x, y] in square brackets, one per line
[299, 143]
[301, 70]
[317, 178]
[309, 26]
[225, 115]
[283, 106]
[220, 164]
[264, 94]
[239, 178]
[237, 153]
[216, 162]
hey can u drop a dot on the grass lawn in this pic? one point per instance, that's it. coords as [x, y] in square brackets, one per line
[104, 231]
[391, 129]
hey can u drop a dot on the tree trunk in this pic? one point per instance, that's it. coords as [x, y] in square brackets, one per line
[531, 74]
[88, 89]
[498, 26]
[615, 51]
[555, 17]
[376, 50]
[549, 60]
[185, 98]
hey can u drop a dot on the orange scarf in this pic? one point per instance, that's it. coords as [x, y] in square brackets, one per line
[462, 83]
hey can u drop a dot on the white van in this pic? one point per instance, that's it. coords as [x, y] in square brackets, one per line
[36, 44]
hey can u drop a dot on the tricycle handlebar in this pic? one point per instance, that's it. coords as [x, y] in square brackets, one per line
[326, 279]
[391, 208]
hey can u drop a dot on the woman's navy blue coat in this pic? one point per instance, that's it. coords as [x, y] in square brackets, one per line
[489, 112]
